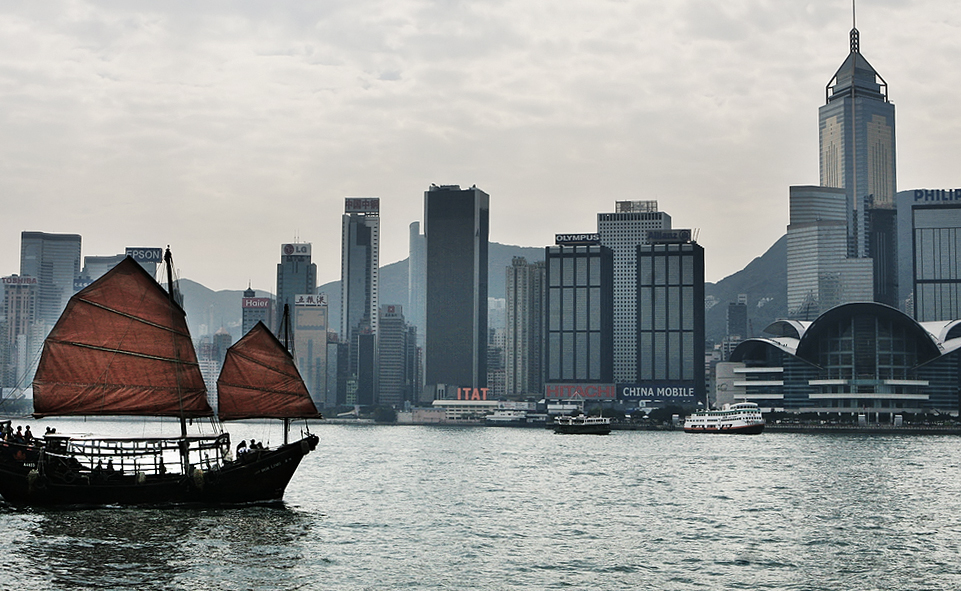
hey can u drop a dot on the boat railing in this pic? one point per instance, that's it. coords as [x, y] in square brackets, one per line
[150, 456]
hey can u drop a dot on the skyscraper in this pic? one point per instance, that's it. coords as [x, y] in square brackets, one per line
[359, 289]
[580, 318]
[310, 323]
[416, 281]
[395, 379]
[295, 275]
[670, 313]
[623, 231]
[254, 310]
[23, 337]
[456, 225]
[820, 275]
[54, 259]
[525, 327]
[930, 228]
[857, 154]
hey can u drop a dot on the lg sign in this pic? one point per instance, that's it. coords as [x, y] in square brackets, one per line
[299, 249]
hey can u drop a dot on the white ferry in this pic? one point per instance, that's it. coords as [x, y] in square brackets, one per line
[581, 424]
[743, 417]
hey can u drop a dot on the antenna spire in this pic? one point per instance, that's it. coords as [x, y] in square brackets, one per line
[855, 36]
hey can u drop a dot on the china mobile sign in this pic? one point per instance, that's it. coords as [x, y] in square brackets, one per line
[362, 205]
[576, 391]
[668, 392]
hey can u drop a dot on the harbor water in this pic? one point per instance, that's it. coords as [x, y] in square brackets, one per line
[431, 507]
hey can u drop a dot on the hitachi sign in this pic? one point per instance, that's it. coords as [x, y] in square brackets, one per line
[572, 391]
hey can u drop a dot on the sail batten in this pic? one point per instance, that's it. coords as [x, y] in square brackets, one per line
[121, 347]
[260, 380]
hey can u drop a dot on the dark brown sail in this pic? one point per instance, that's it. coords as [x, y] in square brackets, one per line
[121, 347]
[259, 380]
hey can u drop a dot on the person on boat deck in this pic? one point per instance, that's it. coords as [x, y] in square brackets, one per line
[242, 447]
[27, 435]
[110, 465]
[18, 436]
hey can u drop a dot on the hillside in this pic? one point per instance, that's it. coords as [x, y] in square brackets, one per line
[764, 280]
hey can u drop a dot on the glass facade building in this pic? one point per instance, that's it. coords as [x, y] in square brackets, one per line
[670, 314]
[580, 319]
[856, 358]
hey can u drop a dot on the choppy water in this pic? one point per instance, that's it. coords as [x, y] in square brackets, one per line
[472, 508]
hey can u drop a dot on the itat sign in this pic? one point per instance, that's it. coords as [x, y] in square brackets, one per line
[472, 393]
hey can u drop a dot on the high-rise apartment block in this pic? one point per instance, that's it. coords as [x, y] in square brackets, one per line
[456, 225]
[623, 231]
[54, 259]
[359, 289]
[296, 275]
[416, 309]
[524, 337]
[579, 304]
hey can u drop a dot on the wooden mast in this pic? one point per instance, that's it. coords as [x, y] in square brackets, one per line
[184, 455]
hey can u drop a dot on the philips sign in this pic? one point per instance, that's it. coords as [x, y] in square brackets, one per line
[668, 392]
[145, 255]
[936, 195]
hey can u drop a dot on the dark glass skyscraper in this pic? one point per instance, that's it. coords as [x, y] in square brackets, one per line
[296, 275]
[359, 289]
[54, 259]
[456, 226]
[857, 142]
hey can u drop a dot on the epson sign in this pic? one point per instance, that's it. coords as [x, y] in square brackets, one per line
[145, 255]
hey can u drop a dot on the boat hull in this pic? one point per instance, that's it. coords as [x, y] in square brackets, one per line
[582, 429]
[28, 477]
[744, 430]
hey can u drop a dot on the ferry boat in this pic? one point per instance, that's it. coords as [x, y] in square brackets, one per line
[582, 424]
[742, 417]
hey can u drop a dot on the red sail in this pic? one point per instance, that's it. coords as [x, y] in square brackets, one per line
[259, 380]
[121, 347]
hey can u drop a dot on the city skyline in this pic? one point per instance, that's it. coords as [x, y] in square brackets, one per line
[224, 132]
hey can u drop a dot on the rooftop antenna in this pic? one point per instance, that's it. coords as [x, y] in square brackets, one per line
[855, 40]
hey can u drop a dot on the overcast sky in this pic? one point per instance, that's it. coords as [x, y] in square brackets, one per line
[225, 129]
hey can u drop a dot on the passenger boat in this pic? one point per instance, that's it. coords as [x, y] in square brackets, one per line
[122, 348]
[742, 417]
[582, 424]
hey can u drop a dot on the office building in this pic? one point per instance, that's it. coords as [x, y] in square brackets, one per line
[737, 317]
[416, 281]
[54, 259]
[857, 154]
[359, 290]
[820, 275]
[524, 336]
[579, 304]
[670, 314]
[254, 310]
[23, 335]
[456, 225]
[296, 275]
[310, 324]
[930, 248]
[623, 231]
[396, 381]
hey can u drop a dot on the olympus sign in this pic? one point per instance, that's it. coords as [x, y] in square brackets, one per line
[577, 239]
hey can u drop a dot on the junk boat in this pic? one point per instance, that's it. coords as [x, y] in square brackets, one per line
[743, 417]
[122, 348]
[582, 424]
